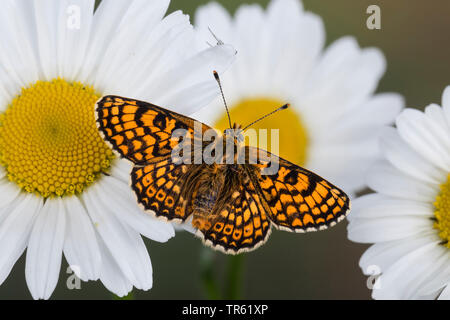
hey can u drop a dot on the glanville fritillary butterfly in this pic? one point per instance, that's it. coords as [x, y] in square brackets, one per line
[232, 206]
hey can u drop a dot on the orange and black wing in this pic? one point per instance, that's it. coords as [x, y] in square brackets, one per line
[159, 188]
[139, 131]
[238, 223]
[297, 200]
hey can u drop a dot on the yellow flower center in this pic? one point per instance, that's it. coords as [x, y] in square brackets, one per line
[442, 212]
[49, 143]
[293, 138]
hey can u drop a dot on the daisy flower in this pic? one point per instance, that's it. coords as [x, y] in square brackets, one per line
[334, 119]
[408, 218]
[61, 188]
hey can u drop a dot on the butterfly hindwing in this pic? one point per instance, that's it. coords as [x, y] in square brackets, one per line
[239, 222]
[158, 188]
[141, 132]
[298, 200]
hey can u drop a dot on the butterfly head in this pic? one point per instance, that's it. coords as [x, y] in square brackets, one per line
[236, 133]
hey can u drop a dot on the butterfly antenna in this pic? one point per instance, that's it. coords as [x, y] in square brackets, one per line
[267, 115]
[219, 42]
[216, 76]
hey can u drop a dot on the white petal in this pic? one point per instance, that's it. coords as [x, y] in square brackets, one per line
[379, 206]
[249, 22]
[385, 179]
[117, 197]
[382, 255]
[104, 27]
[80, 247]
[407, 160]
[445, 294]
[424, 137]
[186, 226]
[15, 230]
[164, 48]
[73, 33]
[121, 169]
[46, 14]
[446, 103]
[8, 192]
[394, 228]
[213, 16]
[440, 277]
[132, 30]
[16, 41]
[191, 85]
[125, 244]
[294, 42]
[45, 247]
[401, 280]
[111, 275]
[346, 76]
[380, 110]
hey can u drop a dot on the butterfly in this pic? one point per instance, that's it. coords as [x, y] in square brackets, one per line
[232, 206]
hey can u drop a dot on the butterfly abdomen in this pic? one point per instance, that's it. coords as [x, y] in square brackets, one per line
[207, 189]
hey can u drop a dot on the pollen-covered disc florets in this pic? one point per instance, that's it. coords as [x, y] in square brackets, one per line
[49, 142]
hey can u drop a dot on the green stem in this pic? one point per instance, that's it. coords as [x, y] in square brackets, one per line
[234, 277]
[207, 274]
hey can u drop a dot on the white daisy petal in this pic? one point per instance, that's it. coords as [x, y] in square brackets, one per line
[134, 27]
[446, 103]
[15, 230]
[445, 294]
[194, 74]
[121, 170]
[16, 50]
[296, 40]
[213, 16]
[8, 192]
[157, 56]
[414, 128]
[368, 230]
[440, 277]
[383, 254]
[338, 85]
[80, 247]
[45, 247]
[387, 180]
[46, 18]
[379, 206]
[400, 280]
[104, 27]
[126, 210]
[407, 160]
[379, 111]
[111, 275]
[125, 245]
[73, 31]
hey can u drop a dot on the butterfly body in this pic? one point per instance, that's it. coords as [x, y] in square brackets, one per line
[232, 203]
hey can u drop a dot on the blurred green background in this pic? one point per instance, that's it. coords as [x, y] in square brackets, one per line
[324, 265]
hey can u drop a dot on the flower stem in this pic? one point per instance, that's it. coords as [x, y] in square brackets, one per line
[235, 272]
[207, 274]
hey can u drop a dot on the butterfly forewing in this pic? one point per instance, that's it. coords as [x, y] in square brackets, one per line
[139, 131]
[297, 199]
